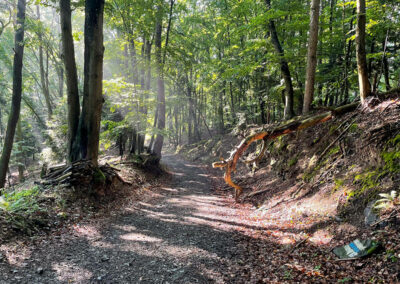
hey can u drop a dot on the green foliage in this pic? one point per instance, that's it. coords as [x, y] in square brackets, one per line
[99, 177]
[353, 128]
[293, 161]
[339, 183]
[370, 179]
[388, 200]
[24, 201]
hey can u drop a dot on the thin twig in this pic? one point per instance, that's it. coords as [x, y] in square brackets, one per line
[299, 244]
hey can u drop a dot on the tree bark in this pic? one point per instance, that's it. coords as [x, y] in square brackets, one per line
[17, 91]
[311, 56]
[89, 122]
[71, 76]
[288, 111]
[158, 143]
[44, 82]
[20, 154]
[363, 82]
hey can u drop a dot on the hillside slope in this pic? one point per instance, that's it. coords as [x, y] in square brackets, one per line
[323, 180]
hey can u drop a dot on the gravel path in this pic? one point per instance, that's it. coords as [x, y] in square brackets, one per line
[188, 234]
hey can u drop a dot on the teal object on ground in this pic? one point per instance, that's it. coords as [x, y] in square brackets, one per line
[356, 249]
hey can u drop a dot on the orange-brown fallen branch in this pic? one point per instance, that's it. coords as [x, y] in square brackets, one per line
[272, 133]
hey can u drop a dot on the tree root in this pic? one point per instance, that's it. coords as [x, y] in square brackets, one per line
[266, 134]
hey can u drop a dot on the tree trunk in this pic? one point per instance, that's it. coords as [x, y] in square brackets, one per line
[386, 73]
[44, 82]
[71, 76]
[20, 155]
[89, 122]
[311, 56]
[363, 82]
[17, 91]
[288, 111]
[151, 144]
[158, 143]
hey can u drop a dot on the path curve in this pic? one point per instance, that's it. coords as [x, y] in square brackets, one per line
[188, 235]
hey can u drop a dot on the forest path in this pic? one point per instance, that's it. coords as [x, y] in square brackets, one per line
[188, 234]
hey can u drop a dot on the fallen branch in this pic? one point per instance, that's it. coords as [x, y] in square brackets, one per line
[272, 133]
[336, 140]
[391, 215]
[299, 244]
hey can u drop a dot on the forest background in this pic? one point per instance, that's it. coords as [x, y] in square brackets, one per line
[184, 70]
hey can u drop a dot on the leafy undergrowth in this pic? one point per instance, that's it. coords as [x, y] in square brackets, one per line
[310, 191]
[28, 210]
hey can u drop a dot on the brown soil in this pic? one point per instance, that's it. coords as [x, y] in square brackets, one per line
[189, 231]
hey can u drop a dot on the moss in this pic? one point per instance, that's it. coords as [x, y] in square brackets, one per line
[334, 151]
[98, 176]
[338, 184]
[333, 128]
[293, 161]
[369, 180]
[312, 172]
[353, 128]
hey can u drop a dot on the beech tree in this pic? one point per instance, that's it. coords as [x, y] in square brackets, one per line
[363, 81]
[288, 111]
[89, 123]
[16, 91]
[71, 75]
[311, 55]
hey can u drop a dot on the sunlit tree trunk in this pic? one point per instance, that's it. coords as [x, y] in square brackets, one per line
[363, 82]
[89, 123]
[311, 55]
[158, 143]
[43, 79]
[20, 157]
[17, 91]
[71, 76]
[288, 111]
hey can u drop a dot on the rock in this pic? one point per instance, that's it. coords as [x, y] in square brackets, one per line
[369, 215]
[178, 274]
[40, 270]
[105, 258]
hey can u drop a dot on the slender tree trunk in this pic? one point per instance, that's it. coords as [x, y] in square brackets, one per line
[44, 82]
[71, 76]
[20, 157]
[347, 62]
[89, 122]
[17, 91]
[363, 82]
[288, 111]
[311, 56]
[158, 143]
[386, 73]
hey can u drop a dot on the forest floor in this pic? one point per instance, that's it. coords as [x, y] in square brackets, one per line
[186, 231]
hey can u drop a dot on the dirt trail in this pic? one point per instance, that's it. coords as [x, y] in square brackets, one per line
[189, 234]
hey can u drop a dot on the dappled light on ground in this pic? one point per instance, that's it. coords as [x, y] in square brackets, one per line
[188, 233]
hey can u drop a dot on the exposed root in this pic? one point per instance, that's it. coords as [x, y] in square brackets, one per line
[260, 155]
[269, 133]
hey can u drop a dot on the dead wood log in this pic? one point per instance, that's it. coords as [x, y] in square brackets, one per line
[269, 133]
